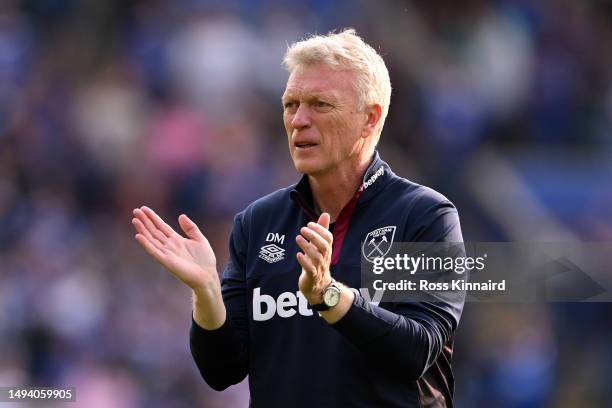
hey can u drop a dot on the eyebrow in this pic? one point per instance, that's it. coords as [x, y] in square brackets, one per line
[312, 95]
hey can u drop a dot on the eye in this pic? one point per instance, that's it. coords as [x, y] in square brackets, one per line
[321, 105]
[290, 106]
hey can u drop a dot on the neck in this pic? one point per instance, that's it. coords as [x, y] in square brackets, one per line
[332, 190]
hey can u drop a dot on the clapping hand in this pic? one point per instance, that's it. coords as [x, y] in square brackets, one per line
[190, 258]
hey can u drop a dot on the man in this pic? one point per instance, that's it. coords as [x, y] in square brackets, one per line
[347, 352]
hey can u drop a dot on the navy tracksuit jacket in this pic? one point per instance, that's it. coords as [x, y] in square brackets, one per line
[386, 355]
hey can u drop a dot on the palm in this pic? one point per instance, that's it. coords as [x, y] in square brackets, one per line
[315, 241]
[190, 259]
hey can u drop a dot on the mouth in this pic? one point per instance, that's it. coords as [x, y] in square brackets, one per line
[304, 145]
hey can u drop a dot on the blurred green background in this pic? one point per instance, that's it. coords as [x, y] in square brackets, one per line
[503, 106]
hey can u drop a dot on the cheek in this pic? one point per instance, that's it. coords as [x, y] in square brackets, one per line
[344, 131]
[288, 129]
[335, 125]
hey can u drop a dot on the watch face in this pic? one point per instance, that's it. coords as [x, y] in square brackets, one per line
[331, 297]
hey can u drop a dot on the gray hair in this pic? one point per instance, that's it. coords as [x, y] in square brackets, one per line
[346, 50]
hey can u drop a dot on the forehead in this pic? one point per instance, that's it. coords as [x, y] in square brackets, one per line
[320, 80]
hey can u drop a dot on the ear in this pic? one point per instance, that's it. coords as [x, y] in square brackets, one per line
[374, 114]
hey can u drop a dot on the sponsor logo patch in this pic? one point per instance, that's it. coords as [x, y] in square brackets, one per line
[374, 177]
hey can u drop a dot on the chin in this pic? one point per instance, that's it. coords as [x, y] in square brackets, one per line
[306, 166]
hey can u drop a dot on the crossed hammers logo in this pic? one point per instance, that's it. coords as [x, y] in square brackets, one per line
[377, 246]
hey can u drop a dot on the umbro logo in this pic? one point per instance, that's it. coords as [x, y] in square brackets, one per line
[272, 253]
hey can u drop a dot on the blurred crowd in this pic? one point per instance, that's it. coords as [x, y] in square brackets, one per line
[503, 106]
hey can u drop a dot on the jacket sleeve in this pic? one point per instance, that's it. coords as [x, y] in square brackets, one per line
[408, 337]
[222, 355]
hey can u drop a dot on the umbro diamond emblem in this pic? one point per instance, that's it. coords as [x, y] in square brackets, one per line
[271, 253]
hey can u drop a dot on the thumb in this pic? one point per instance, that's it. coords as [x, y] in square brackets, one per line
[324, 220]
[190, 229]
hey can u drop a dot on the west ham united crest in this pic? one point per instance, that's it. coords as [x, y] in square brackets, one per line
[377, 243]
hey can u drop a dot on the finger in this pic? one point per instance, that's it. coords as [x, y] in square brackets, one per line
[140, 228]
[324, 232]
[310, 250]
[151, 249]
[315, 239]
[190, 228]
[306, 264]
[302, 243]
[324, 220]
[159, 223]
[150, 227]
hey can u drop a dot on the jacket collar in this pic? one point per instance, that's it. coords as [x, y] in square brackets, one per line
[376, 176]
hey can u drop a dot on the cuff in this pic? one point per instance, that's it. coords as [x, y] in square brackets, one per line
[364, 322]
[211, 338]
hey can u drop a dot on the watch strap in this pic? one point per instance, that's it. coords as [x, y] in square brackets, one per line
[321, 307]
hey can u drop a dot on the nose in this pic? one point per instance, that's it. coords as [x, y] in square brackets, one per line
[301, 119]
